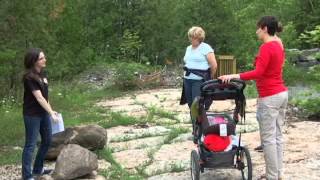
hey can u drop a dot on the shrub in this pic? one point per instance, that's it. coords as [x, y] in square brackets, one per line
[127, 74]
[311, 37]
[309, 101]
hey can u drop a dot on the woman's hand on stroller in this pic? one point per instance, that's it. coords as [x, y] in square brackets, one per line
[227, 78]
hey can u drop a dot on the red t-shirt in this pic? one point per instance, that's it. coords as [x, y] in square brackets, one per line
[268, 69]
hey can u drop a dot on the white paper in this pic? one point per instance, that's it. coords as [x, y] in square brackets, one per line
[223, 129]
[58, 126]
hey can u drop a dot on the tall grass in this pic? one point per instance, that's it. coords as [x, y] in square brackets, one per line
[11, 126]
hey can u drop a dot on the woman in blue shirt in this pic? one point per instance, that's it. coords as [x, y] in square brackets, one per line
[200, 64]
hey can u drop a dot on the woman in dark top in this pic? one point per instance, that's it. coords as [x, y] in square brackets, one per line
[37, 113]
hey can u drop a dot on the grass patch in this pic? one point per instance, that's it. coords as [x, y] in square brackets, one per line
[115, 171]
[116, 119]
[177, 168]
[76, 103]
[134, 136]
[12, 126]
[10, 156]
[175, 132]
[141, 169]
[156, 111]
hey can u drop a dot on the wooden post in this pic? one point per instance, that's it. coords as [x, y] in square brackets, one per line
[226, 65]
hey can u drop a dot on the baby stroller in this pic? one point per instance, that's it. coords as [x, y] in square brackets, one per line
[237, 156]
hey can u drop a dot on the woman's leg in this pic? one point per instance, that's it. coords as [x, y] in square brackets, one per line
[196, 84]
[279, 137]
[268, 113]
[188, 91]
[46, 136]
[32, 126]
[196, 92]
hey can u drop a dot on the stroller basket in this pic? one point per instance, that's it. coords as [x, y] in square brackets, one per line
[218, 159]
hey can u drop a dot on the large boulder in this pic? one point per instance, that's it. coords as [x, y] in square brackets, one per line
[59, 140]
[74, 161]
[304, 58]
[91, 137]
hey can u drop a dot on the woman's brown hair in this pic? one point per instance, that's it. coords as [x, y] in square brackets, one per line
[272, 24]
[30, 59]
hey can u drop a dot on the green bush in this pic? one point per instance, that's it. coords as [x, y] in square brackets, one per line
[127, 74]
[315, 72]
[309, 101]
[293, 74]
[311, 37]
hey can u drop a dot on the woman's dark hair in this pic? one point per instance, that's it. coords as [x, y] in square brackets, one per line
[272, 24]
[30, 59]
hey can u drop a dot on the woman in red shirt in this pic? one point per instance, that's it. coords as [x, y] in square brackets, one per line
[273, 94]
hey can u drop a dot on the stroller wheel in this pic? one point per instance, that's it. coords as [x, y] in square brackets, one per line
[244, 163]
[195, 165]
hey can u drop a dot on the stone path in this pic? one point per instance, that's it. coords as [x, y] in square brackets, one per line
[161, 159]
[151, 150]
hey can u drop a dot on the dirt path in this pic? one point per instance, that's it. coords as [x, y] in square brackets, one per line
[150, 149]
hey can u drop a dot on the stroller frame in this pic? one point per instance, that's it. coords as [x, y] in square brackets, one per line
[239, 156]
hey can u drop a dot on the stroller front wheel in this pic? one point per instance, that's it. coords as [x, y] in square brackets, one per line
[195, 165]
[244, 163]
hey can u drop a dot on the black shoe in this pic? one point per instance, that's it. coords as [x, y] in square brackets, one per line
[259, 148]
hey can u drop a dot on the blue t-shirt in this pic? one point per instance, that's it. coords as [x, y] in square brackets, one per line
[197, 59]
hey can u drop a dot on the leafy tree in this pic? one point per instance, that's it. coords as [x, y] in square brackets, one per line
[312, 37]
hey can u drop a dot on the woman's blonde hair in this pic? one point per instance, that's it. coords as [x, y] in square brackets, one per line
[196, 32]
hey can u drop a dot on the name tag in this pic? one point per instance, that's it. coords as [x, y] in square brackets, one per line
[45, 80]
[223, 129]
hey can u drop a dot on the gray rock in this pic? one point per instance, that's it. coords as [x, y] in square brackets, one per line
[45, 177]
[54, 152]
[305, 58]
[74, 161]
[91, 137]
[92, 175]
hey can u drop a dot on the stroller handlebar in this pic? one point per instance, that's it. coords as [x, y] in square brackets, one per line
[218, 84]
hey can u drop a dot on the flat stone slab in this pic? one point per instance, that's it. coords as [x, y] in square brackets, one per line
[216, 174]
[103, 165]
[171, 156]
[123, 101]
[128, 108]
[126, 133]
[137, 143]
[132, 158]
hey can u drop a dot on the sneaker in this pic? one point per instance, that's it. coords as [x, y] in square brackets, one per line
[44, 172]
[259, 148]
